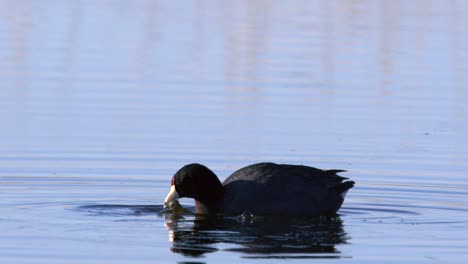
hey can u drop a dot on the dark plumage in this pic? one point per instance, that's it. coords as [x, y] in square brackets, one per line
[262, 189]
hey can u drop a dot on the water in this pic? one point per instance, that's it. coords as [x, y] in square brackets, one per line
[102, 101]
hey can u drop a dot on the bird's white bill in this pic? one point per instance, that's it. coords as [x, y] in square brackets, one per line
[171, 196]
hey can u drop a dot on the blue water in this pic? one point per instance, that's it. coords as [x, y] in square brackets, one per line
[102, 102]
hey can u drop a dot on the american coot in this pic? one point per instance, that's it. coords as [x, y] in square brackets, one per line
[262, 189]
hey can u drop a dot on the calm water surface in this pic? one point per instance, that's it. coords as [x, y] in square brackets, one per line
[102, 101]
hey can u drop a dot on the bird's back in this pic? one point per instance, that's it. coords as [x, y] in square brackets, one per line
[269, 188]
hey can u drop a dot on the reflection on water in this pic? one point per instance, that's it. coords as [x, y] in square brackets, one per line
[267, 237]
[256, 236]
[249, 73]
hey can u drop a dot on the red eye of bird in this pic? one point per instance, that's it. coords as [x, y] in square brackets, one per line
[173, 181]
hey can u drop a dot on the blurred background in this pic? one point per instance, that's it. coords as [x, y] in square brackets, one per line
[102, 101]
[247, 78]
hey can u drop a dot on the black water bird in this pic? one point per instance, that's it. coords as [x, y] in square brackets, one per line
[262, 189]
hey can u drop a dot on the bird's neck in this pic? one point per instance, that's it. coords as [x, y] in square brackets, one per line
[209, 205]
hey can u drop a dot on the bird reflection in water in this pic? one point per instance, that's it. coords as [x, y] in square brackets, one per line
[255, 236]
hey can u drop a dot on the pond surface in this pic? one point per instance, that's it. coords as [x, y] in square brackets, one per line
[102, 102]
